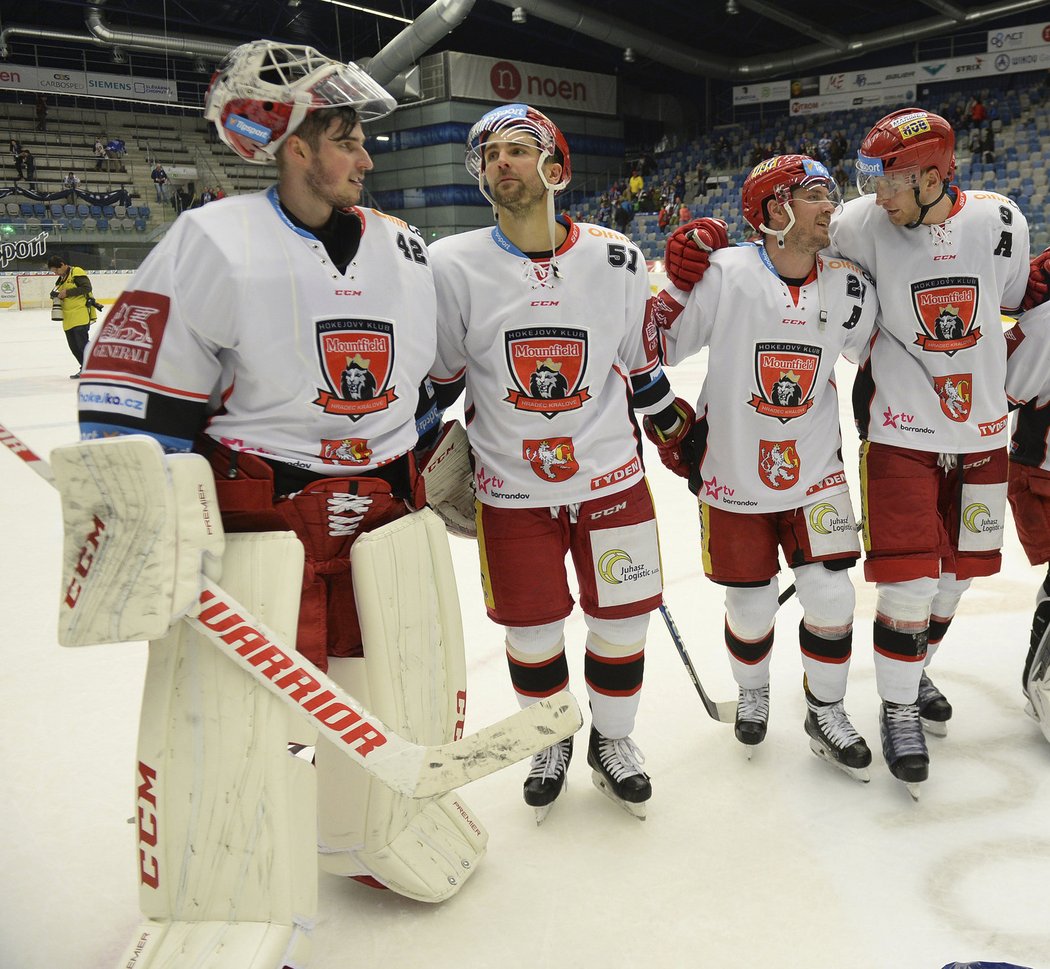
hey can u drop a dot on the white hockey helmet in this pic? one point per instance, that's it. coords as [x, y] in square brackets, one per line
[264, 90]
[509, 123]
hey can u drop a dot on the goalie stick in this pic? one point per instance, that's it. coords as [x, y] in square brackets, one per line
[410, 769]
[724, 711]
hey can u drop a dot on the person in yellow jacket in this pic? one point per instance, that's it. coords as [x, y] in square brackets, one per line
[73, 290]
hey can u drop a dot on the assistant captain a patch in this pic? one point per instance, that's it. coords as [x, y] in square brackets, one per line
[946, 308]
[547, 364]
[357, 362]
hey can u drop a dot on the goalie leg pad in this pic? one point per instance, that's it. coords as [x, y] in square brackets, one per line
[413, 676]
[226, 818]
[139, 528]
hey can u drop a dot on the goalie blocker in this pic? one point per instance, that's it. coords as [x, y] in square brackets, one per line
[213, 742]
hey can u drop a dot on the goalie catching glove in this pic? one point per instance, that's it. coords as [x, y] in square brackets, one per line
[1038, 281]
[680, 448]
[689, 249]
[449, 480]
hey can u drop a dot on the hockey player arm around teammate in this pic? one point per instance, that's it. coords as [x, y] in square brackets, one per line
[775, 316]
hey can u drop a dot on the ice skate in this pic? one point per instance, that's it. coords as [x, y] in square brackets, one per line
[617, 772]
[934, 709]
[834, 739]
[904, 744]
[752, 716]
[547, 778]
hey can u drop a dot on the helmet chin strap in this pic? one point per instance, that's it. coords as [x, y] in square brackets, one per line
[923, 209]
[780, 233]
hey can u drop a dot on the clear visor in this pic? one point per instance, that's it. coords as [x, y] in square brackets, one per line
[817, 191]
[873, 180]
[348, 85]
[481, 141]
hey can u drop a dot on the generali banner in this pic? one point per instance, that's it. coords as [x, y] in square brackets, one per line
[492, 79]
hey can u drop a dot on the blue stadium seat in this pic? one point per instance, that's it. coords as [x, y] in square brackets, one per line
[96, 211]
[109, 212]
[76, 224]
[102, 225]
[144, 211]
[38, 210]
[140, 225]
[83, 211]
[25, 209]
[69, 210]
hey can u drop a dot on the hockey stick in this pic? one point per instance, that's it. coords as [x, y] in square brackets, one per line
[724, 711]
[412, 770]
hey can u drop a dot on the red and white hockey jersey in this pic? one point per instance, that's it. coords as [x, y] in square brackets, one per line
[553, 363]
[769, 404]
[934, 379]
[1028, 386]
[239, 319]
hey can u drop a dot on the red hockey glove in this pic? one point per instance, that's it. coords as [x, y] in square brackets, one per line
[1038, 281]
[675, 454]
[689, 250]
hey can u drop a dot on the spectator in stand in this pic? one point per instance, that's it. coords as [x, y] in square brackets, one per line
[841, 180]
[624, 214]
[604, 212]
[99, 152]
[684, 215]
[988, 146]
[824, 148]
[16, 154]
[663, 219]
[41, 112]
[701, 179]
[636, 184]
[978, 113]
[206, 196]
[71, 183]
[29, 166]
[218, 193]
[160, 182]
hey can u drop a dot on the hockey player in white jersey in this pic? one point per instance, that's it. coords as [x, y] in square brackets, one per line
[1028, 388]
[542, 319]
[764, 454]
[944, 261]
[286, 335]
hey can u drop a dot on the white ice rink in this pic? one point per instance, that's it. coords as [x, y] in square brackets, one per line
[775, 863]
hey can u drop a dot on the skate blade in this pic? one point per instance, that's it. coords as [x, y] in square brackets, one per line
[1030, 710]
[861, 774]
[938, 728]
[635, 809]
[542, 812]
[912, 788]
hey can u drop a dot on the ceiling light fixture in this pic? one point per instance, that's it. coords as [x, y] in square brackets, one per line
[375, 13]
[732, 8]
[518, 15]
[628, 55]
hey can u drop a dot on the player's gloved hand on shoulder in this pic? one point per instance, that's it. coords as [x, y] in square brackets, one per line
[689, 249]
[1038, 281]
[676, 445]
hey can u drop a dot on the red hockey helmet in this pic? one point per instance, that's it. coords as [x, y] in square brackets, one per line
[263, 90]
[774, 178]
[511, 122]
[901, 147]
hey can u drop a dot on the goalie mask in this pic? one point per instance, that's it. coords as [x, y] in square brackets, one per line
[899, 148]
[519, 123]
[263, 91]
[776, 179]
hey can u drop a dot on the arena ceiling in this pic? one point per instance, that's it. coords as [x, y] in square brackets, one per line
[675, 44]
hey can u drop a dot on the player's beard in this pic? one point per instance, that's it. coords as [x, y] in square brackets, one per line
[334, 189]
[519, 198]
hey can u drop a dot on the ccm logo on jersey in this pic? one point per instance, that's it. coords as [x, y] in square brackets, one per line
[287, 675]
[348, 292]
[544, 302]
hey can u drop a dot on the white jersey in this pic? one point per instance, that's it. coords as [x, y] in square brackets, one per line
[1028, 387]
[549, 362]
[769, 405]
[937, 367]
[239, 319]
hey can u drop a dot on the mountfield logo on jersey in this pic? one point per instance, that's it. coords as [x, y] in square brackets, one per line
[357, 360]
[946, 308]
[547, 364]
[786, 374]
